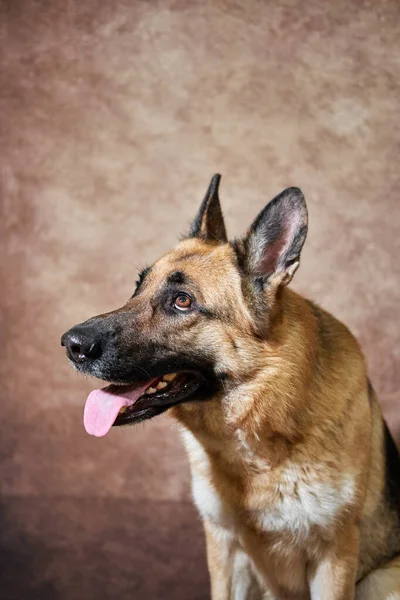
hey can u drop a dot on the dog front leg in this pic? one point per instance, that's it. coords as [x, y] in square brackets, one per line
[334, 576]
[231, 574]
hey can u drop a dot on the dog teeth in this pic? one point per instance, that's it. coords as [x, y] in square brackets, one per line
[122, 409]
[169, 377]
[151, 390]
[161, 385]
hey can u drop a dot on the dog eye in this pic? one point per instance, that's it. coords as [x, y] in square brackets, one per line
[183, 302]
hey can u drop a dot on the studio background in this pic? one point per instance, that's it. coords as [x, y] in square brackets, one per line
[114, 115]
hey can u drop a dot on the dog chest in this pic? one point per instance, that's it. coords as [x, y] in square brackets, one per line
[296, 501]
[297, 504]
[291, 508]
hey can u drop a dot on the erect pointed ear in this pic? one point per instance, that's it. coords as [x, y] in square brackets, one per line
[271, 248]
[209, 222]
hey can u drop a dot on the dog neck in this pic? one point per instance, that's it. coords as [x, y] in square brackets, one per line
[266, 411]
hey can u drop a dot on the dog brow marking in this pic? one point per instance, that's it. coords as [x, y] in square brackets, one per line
[177, 277]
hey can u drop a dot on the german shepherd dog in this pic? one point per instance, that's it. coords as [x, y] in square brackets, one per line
[294, 471]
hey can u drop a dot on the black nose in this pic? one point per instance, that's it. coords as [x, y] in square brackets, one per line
[81, 344]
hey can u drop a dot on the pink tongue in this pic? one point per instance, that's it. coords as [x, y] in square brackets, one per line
[102, 406]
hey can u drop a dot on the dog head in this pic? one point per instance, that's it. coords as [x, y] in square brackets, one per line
[193, 327]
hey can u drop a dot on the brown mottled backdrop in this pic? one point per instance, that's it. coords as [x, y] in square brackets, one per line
[114, 115]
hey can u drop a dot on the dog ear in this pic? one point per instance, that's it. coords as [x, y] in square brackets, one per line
[271, 248]
[209, 222]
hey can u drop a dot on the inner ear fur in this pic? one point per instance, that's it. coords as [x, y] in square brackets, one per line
[271, 247]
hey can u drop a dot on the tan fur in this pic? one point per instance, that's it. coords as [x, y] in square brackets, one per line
[286, 461]
[286, 439]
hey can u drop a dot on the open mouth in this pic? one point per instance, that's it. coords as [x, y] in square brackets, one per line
[126, 404]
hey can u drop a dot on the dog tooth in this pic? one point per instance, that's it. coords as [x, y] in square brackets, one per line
[170, 377]
[122, 409]
[161, 385]
[151, 390]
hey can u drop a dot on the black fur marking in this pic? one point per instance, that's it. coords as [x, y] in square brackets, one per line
[207, 313]
[370, 392]
[392, 471]
[143, 273]
[177, 277]
[141, 277]
[222, 376]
